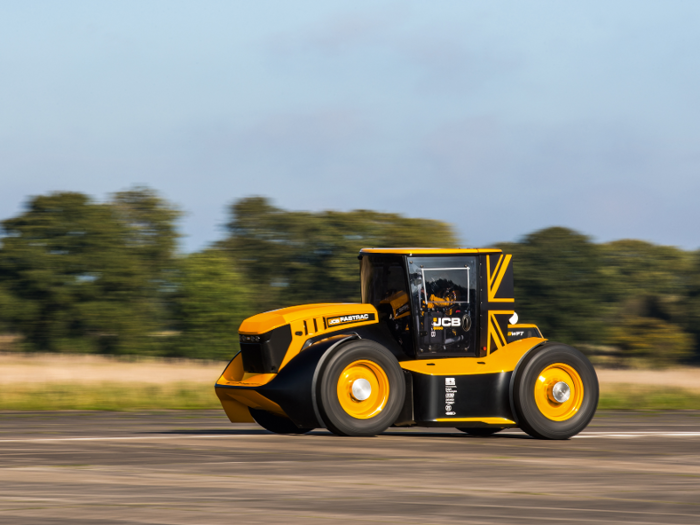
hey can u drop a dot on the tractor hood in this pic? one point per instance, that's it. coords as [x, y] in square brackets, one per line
[310, 318]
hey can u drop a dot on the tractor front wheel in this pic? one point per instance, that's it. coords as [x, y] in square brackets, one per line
[362, 389]
[555, 392]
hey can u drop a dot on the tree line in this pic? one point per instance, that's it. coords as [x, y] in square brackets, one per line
[627, 302]
[78, 275]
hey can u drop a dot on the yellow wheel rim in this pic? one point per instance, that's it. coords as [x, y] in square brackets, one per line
[545, 392]
[371, 390]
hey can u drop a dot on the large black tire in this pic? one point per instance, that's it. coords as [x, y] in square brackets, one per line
[551, 420]
[275, 423]
[378, 417]
[481, 431]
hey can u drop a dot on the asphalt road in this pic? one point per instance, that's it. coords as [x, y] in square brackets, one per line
[196, 467]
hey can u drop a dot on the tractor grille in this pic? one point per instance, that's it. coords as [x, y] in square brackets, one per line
[263, 354]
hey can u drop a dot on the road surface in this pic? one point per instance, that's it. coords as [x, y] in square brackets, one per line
[196, 467]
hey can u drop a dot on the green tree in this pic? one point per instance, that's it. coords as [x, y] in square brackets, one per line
[560, 285]
[637, 268]
[78, 281]
[691, 303]
[150, 225]
[211, 301]
[650, 341]
[649, 286]
[151, 235]
[301, 257]
[7, 307]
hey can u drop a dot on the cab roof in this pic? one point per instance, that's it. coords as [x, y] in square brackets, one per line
[429, 251]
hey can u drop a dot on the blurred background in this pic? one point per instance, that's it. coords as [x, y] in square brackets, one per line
[170, 168]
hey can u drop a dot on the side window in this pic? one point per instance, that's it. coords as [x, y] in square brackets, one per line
[395, 306]
[385, 286]
[395, 301]
[444, 289]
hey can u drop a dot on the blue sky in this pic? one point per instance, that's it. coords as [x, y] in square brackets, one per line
[498, 117]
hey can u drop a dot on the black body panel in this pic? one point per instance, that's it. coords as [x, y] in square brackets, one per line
[516, 334]
[482, 395]
[379, 333]
[292, 389]
[406, 417]
[497, 301]
[266, 356]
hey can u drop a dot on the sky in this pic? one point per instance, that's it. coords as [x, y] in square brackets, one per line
[500, 118]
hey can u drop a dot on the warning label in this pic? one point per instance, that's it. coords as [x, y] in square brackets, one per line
[450, 394]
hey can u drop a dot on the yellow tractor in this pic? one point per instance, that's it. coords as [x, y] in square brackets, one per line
[434, 343]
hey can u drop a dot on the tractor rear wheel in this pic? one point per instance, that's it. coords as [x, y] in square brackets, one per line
[555, 392]
[275, 423]
[362, 389]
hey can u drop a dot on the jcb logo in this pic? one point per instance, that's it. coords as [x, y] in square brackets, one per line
[446, 321]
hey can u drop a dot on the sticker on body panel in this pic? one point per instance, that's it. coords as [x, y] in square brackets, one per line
[450, 392]
[348, 319]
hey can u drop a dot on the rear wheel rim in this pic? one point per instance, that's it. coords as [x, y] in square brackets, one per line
[359, 374]
[545, 396]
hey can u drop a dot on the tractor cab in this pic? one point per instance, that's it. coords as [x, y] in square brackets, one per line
[440, 303]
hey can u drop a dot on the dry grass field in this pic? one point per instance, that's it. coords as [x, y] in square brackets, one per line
[55, 382]
[90, 382]
[90, 369]
[673, 388]
[686, 378]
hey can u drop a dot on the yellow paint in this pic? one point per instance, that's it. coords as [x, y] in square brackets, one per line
[436, 301]
[235, 376]
[495, 333]
[396, 301]
[307, 320]
[249, 398]
[235, 401]
[495, 280]
[236, 412]
[379, 384]
[254, 379]
[543, 392]
[486, 420]
[296, 315]
[234, 371]
[505, 360]
[429, 251]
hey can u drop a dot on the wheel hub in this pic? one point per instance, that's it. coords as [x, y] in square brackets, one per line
[561, 392]
[361, 389]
